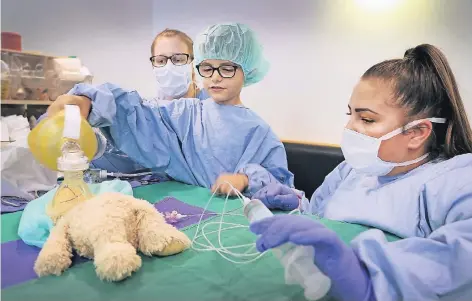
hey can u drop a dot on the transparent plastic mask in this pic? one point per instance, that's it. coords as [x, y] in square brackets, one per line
[73, 190]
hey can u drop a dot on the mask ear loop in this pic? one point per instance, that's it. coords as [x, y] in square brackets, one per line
[408, 127]
[411, 125]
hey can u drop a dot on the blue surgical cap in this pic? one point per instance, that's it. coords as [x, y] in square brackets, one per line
[236, 43]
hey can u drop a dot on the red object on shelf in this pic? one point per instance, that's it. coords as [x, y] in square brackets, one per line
[11, 41]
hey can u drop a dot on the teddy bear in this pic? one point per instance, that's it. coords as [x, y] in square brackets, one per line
[109, 228]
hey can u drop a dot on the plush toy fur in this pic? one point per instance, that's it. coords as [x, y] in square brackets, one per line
[109, 228]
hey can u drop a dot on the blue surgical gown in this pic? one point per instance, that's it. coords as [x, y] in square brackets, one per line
[114, 160]
[192, 141]
[430, 207]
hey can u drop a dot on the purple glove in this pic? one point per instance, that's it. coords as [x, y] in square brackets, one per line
[277, 196]
[349, 278]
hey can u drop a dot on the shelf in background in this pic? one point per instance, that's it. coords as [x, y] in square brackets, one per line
[33, 53]
[26, 102]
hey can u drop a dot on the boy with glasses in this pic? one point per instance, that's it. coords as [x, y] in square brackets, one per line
[208, 143]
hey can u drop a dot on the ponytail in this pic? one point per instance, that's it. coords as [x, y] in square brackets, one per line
[423, 83]
[458, 138]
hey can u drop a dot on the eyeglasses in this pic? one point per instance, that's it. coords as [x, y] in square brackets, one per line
[177, 59]
[225, 71]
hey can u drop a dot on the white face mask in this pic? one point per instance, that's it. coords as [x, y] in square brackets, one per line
[362, 151]
[172, 81]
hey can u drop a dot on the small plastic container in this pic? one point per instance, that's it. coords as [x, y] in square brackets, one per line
[11, 40]
[298, 261]
[6, 81]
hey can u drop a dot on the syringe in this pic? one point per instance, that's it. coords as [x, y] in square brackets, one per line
[298, 261]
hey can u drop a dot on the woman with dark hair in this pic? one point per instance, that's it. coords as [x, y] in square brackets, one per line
[408, 171]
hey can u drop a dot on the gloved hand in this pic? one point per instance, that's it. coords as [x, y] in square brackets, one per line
[277, 196]
[349, 278]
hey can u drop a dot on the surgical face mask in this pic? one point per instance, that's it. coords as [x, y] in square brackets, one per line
[173, 81]
[361, 151]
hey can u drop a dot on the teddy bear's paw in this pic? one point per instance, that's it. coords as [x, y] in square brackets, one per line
[177, 242]
[116, 261]
[153, 240]
[51, 263]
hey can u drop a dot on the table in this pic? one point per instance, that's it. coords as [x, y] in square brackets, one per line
[191, 275]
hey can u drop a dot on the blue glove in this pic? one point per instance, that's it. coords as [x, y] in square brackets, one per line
[277, 196]
[349, 278]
